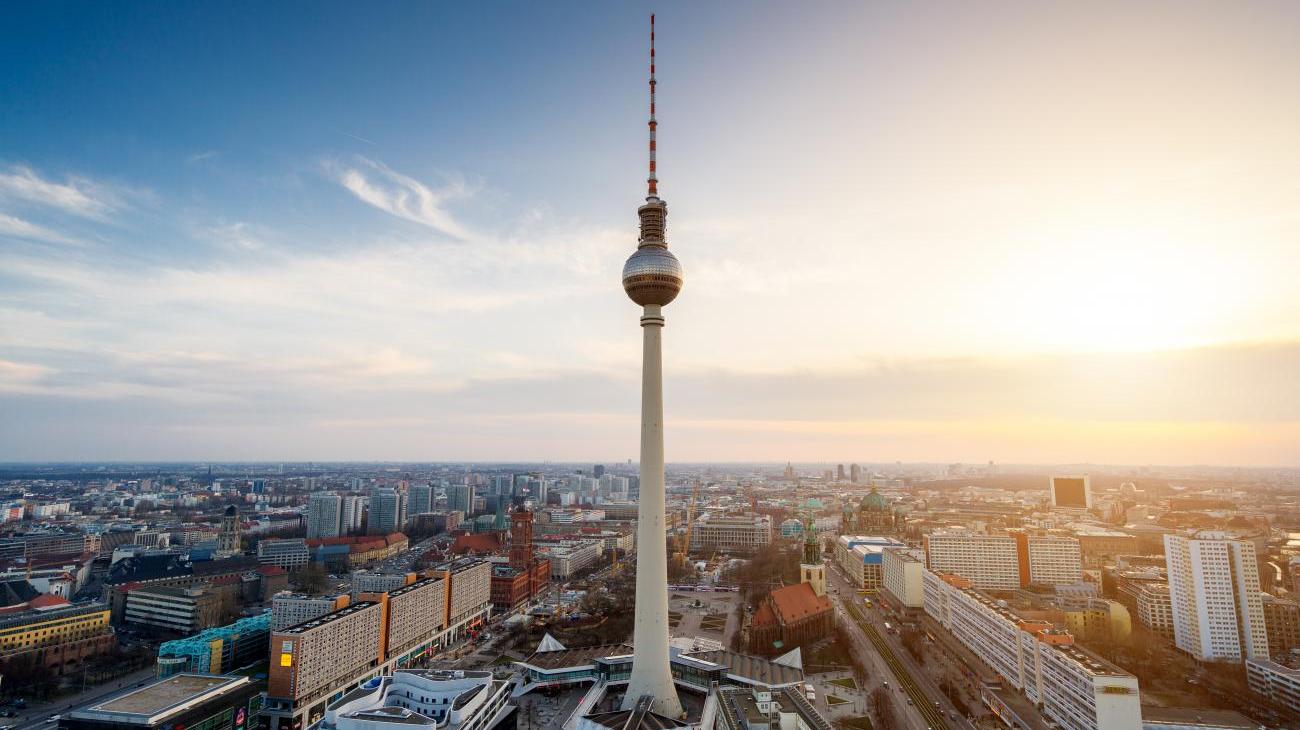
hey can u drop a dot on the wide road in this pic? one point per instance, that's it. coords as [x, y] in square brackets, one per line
[919, 689]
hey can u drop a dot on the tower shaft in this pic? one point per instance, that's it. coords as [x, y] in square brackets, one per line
[651, 674]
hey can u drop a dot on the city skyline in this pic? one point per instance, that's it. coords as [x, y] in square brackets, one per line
[1013, 233]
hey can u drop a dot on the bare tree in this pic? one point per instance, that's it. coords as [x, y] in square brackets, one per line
[883, 709]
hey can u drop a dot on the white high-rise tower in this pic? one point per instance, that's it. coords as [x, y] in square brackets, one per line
[1214, 594]
[652, 277]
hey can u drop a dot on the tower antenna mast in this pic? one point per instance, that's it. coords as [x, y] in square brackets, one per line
[652, 183]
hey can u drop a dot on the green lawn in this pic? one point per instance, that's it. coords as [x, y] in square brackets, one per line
[833, 700]
[846, 682]
[857, 723]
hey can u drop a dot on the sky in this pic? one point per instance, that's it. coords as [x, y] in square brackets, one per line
[1020, 232]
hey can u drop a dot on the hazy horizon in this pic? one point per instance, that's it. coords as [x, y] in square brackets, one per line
[1014, 232]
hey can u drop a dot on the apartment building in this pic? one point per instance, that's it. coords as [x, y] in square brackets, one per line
[379, 632]
[1049, 559]
[1215, 598]
[324, 516]
[409, 611]
[311, 661]
[901, 572]
[1005, 562]
[1154, 609]
[288, 609]
[1075, 689]
[988, 561]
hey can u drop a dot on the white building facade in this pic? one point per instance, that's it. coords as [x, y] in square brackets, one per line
[1214, 597]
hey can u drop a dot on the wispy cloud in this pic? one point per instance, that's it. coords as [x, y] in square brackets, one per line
[78, 196]
[19, 228]
[378, 185]
[202, 156]
[239, 236]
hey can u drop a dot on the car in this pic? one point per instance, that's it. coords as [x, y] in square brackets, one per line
[53, 718]
[909, 700]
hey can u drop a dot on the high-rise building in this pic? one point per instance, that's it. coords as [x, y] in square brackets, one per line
[353, 514]
[839, 472]
[1214, 594]
[652, 277]
[1071, 493]
[387, 512]
[324, 516]
[460, 497]
[420, 499]
[598, 471]
[855, 474]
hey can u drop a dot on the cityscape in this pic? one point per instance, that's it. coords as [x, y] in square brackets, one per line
[294, 437]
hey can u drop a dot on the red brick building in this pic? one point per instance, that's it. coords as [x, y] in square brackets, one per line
[525, 576]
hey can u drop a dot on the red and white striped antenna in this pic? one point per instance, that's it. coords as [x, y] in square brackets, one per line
[653, 180]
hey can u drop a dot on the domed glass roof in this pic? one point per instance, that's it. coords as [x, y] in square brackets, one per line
[791, 528]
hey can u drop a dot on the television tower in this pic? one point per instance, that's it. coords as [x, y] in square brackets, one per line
[652, 277]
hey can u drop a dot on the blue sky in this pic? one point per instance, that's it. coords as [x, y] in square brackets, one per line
[394, 231]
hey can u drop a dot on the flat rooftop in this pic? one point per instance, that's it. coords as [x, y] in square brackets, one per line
[160, 698]
[327, 618]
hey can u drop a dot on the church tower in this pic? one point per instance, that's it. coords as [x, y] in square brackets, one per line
[228, 538]
[812, 570]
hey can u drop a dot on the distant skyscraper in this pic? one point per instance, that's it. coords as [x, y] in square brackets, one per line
[652, 277]
[421, 499]
[1214, 593]
[598, 471]
[461, 497]
[353, 511]
[839, 472]
[855, 474]
[387, 512]
[1071, 493]
[324, 516]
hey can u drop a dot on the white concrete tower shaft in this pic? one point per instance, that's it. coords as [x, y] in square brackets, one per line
[650, 669]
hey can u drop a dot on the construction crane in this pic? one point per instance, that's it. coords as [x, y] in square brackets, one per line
[682, 556]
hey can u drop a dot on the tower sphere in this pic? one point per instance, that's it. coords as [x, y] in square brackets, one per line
[652, 275]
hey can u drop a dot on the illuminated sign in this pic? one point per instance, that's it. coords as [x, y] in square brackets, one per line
[286, 660]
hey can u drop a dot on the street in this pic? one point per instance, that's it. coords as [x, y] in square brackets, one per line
[907, 682]
[37, 713]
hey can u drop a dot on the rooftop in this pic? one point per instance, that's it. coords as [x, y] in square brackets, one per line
[1196, 716]
[148, 704]
[328, 618]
